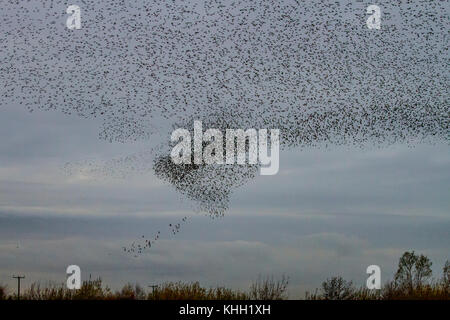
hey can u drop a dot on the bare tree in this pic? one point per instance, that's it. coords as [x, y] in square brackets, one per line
[413, 271]
[269, 289]
[446, 275]
[336, 288]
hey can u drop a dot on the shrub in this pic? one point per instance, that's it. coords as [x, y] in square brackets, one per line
[3, 292]
[269, 289]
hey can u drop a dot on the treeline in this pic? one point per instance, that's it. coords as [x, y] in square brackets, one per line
[413, 280]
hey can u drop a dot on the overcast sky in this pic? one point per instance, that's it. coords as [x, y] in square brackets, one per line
[328, 212]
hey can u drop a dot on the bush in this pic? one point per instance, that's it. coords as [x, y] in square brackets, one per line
[269, 289]
[335, 288]
[3, 292]
[130, 292]
[193, 291]
[90, 290]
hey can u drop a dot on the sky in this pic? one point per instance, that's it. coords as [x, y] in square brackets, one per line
[327, 212]
[68, 198]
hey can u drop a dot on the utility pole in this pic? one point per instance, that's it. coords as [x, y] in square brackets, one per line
[18, 285]
[154, 288]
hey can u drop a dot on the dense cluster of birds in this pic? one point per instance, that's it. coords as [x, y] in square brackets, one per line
[311, 69]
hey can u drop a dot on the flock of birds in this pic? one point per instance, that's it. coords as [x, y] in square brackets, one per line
[137, 248]
[311, 69]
